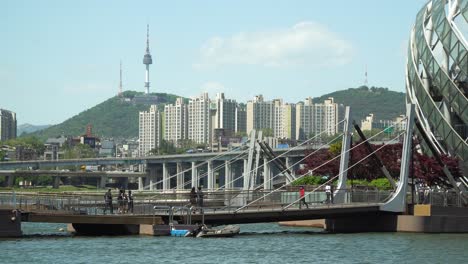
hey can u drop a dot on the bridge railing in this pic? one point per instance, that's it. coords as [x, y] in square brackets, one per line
[439, 197]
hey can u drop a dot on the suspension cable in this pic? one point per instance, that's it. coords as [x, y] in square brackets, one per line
[281, 155]
[350, 167]
[275, 190]
[204, 162]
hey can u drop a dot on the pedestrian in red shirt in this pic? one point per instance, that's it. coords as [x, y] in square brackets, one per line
[302, 196]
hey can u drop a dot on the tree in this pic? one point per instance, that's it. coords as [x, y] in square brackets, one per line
[267, 132]
[78, 151]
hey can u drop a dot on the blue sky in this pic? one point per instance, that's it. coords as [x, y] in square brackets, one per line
[58, 58]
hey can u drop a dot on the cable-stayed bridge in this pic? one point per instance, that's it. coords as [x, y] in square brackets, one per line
[259, 192]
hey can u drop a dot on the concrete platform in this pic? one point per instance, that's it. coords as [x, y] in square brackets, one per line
[10, 223]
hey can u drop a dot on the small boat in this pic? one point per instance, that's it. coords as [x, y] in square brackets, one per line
[227, 231]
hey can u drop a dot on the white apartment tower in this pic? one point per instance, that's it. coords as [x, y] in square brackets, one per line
[259, 114]
[149, 131]
[176, 122]
[313, 119]
[199, 125]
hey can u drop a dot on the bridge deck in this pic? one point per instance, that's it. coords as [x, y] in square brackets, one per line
[220, 217]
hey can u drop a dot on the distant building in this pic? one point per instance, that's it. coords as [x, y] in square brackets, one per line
[149, 130]
[199, 122]
[225, 117]
[317, 118]
[176, 122]
[397, 124]
[304, 119]
[107, 148]
[7, 125]
[241, 119]
[259, 114]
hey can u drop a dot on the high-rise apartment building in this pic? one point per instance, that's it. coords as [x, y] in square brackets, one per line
[305, 119]
[331, 116]
[225, 116]
[7, 125]
[176, 122]
[241, 119]
[313, 119]
[288, 121]
[199, 121]
[259, 114]
[149, 130]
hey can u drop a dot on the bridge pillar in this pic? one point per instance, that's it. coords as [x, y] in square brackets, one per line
[340, 193]
[56, 182]
[103, 181]
[151, 177]
[211, 178]
[180, 176]
[289, 164]
[10, 180]
[194, 174]
[267, 183]
[245, 173]
[166, 180]
[140, 184]
[228, 175]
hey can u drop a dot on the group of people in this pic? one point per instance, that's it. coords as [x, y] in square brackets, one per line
[124, 202]
[196, 198]
[328, 192]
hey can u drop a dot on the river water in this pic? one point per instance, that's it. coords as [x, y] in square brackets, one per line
[257, 243]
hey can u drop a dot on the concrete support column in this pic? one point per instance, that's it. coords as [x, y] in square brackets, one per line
[289, 165]
[228, 175]
[194, 175]
[211, 178]
[56, 182]
[267, 183]
[152, 178]
[140, 184]
[103, 181]
[245, 174]
[180, 176]
[11, 180]
[166, 180]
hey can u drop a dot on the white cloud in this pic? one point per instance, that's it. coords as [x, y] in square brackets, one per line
[306, 43]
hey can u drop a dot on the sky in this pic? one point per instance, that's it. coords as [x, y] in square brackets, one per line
[59, 58]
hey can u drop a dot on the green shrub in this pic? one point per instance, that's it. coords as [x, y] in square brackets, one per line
[381, 184]
[310, 180]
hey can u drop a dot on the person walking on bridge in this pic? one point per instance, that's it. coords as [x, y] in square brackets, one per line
[302, 196]
[108, 202]
[200, 199]
[130, 201]
[328, 192]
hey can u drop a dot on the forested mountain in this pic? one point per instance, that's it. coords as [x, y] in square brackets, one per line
[118, 118]
[383, 103]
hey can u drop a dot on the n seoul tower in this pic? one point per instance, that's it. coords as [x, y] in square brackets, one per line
[147, 60]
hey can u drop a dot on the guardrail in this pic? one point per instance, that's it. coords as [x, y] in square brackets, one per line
[227, 201]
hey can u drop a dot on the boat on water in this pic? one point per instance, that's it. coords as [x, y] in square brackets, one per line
[227, 231]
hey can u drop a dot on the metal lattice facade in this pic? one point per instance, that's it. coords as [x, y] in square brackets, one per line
[437, 74]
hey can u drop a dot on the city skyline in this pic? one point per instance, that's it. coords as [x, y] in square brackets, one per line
[70, 52]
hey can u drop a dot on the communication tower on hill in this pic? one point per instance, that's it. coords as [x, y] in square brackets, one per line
[147, 60]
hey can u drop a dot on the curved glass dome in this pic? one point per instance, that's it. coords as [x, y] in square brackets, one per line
[437, 74]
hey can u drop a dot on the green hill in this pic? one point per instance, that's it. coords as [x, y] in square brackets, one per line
[383, 103]
[112, 118]
[119, 118]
